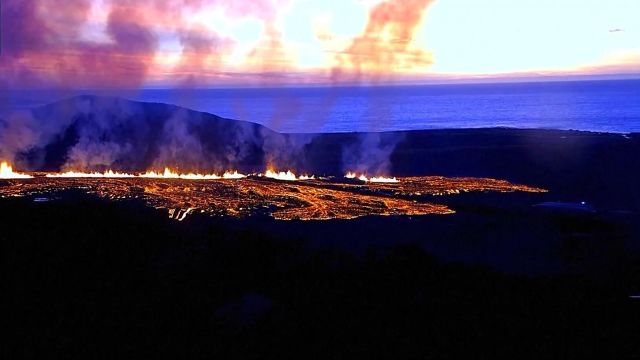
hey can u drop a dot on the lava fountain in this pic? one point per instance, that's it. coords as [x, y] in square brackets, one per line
[286, 176]
[6, 172]
[289, 198]
[169, 174]
[375, 179]
[76, 174]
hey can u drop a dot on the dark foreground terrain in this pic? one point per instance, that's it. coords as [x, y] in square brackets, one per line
[89, 277]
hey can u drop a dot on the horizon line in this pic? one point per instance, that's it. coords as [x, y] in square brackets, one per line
[365, 84]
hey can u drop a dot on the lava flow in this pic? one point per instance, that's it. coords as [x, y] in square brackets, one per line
[282, 195]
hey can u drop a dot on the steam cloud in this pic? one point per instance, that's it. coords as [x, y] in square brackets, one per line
[95, 134]
[41, 46]
[371, 153]
[44, 46]
[386, 43]
[115, 43]
[45, 43]
[90, 133]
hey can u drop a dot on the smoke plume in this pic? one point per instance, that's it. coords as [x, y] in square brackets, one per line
[386, 45]
[43, 46]
[371, 153]
[90, 133]
[58, 44]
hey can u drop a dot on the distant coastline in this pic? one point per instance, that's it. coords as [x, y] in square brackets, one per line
[606, 106]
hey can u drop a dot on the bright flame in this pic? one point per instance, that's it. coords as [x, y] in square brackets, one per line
[76, 174]
[381, 179]
[287, 176]
[6, 172]
[233, 175]
[169, 174]
[375, 179]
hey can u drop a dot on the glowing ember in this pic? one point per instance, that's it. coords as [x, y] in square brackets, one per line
[6, 172]
[375, 179]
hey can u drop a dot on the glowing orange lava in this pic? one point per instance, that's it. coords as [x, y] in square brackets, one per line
[257, 194]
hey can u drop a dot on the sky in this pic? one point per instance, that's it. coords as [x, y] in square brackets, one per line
[210, 43]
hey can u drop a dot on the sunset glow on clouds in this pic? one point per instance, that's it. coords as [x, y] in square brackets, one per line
[133, 43]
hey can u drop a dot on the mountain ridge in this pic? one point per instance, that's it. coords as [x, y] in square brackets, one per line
[97, 133]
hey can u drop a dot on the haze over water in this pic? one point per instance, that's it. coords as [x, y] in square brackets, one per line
[608, 106]
[603, 106]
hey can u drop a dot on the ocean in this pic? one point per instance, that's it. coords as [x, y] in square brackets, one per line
[602, 106]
